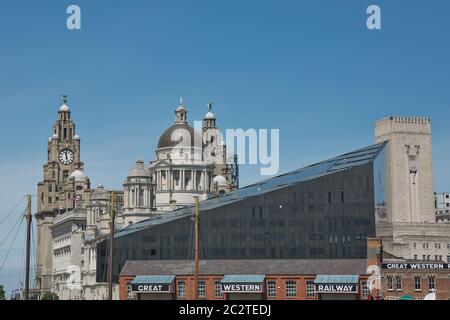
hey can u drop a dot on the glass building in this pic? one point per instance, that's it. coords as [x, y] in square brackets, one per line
[323, 211]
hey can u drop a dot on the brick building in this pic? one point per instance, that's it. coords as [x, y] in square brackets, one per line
[415, 279]
[285, 279]
[320, 279]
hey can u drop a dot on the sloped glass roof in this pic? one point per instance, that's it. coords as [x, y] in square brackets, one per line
[154, 279]
[342, 162]
[340, 279]
[235, 278]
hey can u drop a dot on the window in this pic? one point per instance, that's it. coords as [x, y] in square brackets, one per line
[440, 258]
[181, 289]
[130, 294]
[428, 257]
[271, 289]
[310, 289]
[423, 257]
[365, 290]
[49, 188]
[201, 290]
[398, 283]
[342, 197]
[436, 257]
[415, 245]
[218, 289]
[329, 197]
[437, 245]
[425, 245]
[431, 283]
[448, 259]
[415, 257]
[417, 284]
[291, 288]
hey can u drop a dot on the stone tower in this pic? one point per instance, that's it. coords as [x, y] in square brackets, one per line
[138, 194]
[61, 190]
[215, 151]
[409, 168]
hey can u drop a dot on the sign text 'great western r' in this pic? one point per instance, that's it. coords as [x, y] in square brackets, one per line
[417, 266]
[152, 288]
[245, 288]
[336, 288]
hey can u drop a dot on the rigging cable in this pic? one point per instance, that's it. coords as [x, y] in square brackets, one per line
[9, 232]
[9, 213]
[12, 243]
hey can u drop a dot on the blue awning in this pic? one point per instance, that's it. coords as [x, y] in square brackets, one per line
[153, 280]
[336, 279]
[243, 279]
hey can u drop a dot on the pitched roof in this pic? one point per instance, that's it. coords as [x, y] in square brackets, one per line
[246, 267]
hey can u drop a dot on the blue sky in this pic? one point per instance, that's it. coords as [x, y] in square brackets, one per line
[310, 68]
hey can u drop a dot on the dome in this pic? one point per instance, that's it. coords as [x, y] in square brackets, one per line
[76, 137]
[221, 181]
[77, 175]
[139, 170]
[181, 135]
[64, 108]
[210, 116]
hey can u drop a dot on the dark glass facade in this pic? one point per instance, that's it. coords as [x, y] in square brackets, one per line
[323, 211]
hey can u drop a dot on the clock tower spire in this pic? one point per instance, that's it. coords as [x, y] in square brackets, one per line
[63, 188]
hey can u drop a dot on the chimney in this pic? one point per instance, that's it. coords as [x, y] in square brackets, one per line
[374, 251]
[173, 204]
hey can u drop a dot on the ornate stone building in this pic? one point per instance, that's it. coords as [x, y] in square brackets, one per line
[63, 186]
[72, 218]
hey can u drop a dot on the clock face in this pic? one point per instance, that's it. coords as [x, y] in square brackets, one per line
[66, 156]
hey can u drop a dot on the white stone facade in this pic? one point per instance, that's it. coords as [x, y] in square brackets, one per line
[442, 207]
[72, 218]
[410, 230]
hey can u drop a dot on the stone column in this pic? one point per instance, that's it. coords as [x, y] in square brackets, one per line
[182, 186]
[194, 179]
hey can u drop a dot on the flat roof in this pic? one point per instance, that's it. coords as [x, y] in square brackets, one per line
[247, 267]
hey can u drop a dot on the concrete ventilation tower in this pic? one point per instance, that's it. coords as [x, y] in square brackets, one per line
[410, 229]
[409, 168]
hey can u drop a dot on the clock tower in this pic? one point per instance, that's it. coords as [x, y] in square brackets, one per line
[63, 188]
